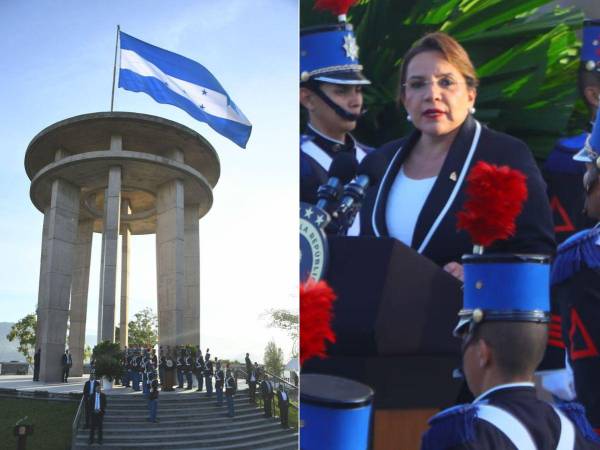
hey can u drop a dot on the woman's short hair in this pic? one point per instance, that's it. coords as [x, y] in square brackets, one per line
[453, 52]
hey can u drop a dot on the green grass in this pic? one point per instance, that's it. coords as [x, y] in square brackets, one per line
[51, 421]
[292, 412]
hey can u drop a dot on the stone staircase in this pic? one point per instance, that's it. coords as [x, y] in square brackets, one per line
[187, 420]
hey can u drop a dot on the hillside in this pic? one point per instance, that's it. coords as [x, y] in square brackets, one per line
[8, 350]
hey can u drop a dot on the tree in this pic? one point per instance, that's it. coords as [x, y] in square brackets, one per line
[287, 321]
[107, 360]
[24, 332]
[144, 329]
[273, 359]
[87, 353]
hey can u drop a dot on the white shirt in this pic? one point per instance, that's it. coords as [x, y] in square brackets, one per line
[405, 202]
[97, 403]
[92, 386]
[503, 386]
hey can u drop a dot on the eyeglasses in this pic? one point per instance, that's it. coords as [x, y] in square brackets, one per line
[445, 83]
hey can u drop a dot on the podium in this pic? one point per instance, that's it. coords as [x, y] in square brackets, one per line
[393, 320]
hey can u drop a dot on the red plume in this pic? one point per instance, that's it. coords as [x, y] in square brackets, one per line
[316, 304]
[337, 7]
[495, 199]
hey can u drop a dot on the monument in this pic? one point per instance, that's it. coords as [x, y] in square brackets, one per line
[117, 173]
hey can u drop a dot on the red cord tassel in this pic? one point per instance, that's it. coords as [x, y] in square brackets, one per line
[337, 7]
[495, 197]
[316, 312]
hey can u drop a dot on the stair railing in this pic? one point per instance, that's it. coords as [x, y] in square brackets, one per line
[291, 390]
[76, 421]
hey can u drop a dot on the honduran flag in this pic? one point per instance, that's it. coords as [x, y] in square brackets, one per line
[176, 80]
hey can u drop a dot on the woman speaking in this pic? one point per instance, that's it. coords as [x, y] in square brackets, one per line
[424, 185]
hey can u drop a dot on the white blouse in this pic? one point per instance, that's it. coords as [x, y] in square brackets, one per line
[405, 201]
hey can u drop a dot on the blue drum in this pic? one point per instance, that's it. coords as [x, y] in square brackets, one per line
[335, 413]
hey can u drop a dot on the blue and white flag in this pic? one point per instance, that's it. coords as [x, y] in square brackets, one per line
[176, 80]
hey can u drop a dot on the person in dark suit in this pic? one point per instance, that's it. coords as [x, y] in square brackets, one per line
[266, 390]
[189, 367]
[67, 362]
[423, 188]
[248, 363]
[89, 388]
[153, 399]
[219, 383]
[252, 380]
[208, 374]
[98, 408]
[180, 367]
[199, 368]
[36, 364]
[504, 328]
[283, 402]
[331, 82]
[230, 390]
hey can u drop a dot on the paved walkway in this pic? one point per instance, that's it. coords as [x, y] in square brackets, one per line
[75, 384]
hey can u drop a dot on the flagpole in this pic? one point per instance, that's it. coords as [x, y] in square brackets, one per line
[112, 98]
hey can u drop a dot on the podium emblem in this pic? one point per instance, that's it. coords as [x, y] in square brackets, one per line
[314, 251]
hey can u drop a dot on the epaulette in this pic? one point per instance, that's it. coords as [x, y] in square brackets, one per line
[560, 158]
[451, 427]
[578, 251]
[576, 413]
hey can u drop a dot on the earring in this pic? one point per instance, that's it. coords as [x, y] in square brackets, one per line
[472, 110]
[409, 118]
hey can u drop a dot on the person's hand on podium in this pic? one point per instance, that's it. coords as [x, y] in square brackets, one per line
[455, 269]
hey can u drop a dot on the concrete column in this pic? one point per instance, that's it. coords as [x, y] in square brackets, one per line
[170, 255]
[110, 245]
[60, 232]
[99, 327]
[191, 310]
[43, 265]
[125, 264]
[79, 294]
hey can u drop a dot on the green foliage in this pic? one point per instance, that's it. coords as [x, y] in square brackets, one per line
[287, 321]
[144, 329]
[273, 359]
[51, 421]
[107, 360]
[87, 353]
[24, 332]
[526, 61]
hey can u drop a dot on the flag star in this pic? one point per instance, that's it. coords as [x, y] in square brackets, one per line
[320, 219]
[202, 106]
[308, 213]
[203, 91]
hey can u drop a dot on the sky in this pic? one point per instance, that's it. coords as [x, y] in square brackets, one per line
[58, 63]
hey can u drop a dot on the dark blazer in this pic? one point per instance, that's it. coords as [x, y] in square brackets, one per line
[535, 230]
[540, 419]
[67, 360]
[86, 387]
[92, 401]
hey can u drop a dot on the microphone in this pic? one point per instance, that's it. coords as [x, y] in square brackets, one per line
[341, 172]
[370, 171]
